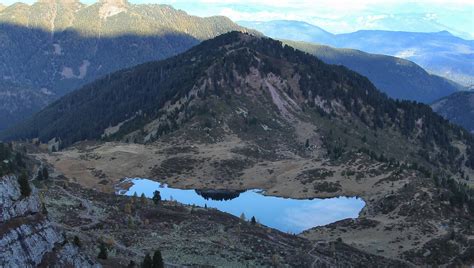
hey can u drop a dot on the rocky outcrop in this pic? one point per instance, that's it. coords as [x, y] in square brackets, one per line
[27, 236]
[12, 205]
[27, 241]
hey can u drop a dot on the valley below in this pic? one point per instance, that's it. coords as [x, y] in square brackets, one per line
[402, 219]
[187, 235]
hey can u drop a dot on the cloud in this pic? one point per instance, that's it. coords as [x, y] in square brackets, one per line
[370, 21]
[430, 16]
[261, 15]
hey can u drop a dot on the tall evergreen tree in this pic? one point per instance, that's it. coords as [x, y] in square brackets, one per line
[253, 221]
[157, 259]
[156, 197]
[25, 188]
[102, 252]
[45, 173]
[147, 262]
[143, 199]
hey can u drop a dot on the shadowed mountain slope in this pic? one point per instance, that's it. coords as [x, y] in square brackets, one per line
[399, 78]
[57, 46]
[457, 108]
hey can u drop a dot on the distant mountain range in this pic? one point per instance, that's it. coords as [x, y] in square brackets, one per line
[397, 21]
[56, 46]
[457, 108]
[399, 78]
[440, 53]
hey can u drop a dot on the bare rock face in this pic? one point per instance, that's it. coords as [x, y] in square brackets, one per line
[26, 243]
[12, 205]
[27, 237]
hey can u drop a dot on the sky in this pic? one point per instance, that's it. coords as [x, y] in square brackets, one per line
[339, 16]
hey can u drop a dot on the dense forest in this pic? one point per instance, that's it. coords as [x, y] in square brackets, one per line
[11, 161]
[54, 47]
[457, 108]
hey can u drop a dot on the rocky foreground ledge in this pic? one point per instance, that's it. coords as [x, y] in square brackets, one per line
[27, 237]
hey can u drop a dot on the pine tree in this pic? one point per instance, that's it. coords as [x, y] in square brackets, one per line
[143, 200]
[19, 160]
[157, 260]
[253, 221]
[39, 175]
[25, 188]
[77, 241]
[102, 252]
[134, 198]
[156, 197]
[147, 262]
[45, 173]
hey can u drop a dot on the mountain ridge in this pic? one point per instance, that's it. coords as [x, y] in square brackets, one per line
[161, 103]
[438, 52]
[397, 77]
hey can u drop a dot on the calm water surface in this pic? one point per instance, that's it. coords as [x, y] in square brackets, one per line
[284, 214]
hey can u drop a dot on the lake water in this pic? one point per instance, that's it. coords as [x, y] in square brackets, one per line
[284, 214]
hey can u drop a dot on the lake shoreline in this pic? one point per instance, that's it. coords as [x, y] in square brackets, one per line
[282, 213]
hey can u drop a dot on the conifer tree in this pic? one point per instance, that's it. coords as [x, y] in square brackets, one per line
[25, 188]
[156, 197]
[157, 260]
[102, 252]
[253, 221]
[147, 262]
[45, 173]
[143, 200]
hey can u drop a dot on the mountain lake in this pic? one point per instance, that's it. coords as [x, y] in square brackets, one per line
[285, 214]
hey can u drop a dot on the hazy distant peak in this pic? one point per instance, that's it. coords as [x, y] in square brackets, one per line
[290, 30]
[445, 32]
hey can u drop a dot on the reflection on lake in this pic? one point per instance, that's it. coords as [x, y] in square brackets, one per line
[284, 214]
